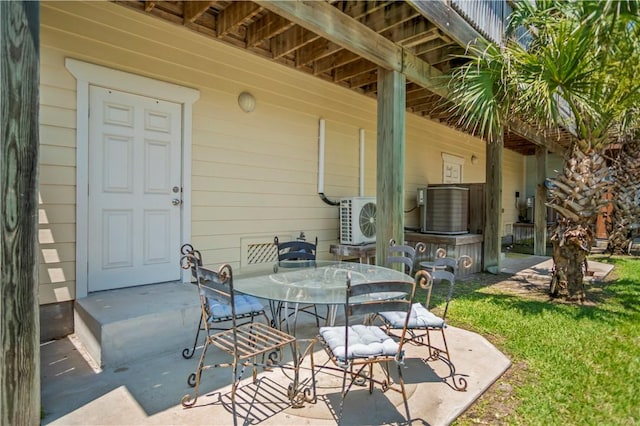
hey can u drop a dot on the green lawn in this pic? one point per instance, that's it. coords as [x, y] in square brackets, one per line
[574, 365]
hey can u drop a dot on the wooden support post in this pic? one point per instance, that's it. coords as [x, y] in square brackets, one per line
[540, 209]
[390, 164]
[19, 319]
[493, 205]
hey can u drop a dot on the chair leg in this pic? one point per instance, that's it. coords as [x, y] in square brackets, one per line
[314, 396]
[295, 320]
[404, 392]
[344, 391]
[315, 311]
[187, 400]
[433, 352]
[446, 348]
[186, 353]
[234, 387]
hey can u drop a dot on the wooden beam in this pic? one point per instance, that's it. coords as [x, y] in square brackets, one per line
[426, 106]
[364, 79]
[417, 104]
[234, 15]
[322, 48]
[340, 58]
[193, 10]
[266, 27]
[412, 33]
[148, 5]
[445, 54]
[315, 51]
[540, 208]
[377, 19]
[447, 19]
[19, 251]
[423, 73]
[413, 87]
[418, 94]
[388, 17]
[390, 161]
[290, 40]
[537, 137]
[328, 22]
[356, 9]
[493, 206]
[430, 46]
[361, 66]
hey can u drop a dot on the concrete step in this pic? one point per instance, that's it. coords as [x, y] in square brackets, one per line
[120, 326]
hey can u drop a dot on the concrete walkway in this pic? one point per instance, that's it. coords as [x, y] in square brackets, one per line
[541, 267]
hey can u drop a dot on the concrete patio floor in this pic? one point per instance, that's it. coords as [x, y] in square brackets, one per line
[148, 391]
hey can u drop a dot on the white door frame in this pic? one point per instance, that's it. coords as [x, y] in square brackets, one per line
[90, 74]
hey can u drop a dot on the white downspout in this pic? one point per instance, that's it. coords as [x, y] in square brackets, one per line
[362, 162]
[321, 157]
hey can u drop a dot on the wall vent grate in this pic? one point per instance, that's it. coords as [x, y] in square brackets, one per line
[261, 253]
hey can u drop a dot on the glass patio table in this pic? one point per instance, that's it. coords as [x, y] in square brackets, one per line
[319, 282]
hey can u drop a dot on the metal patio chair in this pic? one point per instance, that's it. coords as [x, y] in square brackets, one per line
[252, 344]
[452, 264]
[422, 320]
[354, 349]
[219, 316]
[297, 253]
[446, 263]
[404, 255]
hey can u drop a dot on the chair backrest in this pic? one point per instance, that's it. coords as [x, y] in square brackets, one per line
[187, 249]
[404, 255]
[361, 299]
[427, 280]
[452, 264]
[449, 263]
[216, 285]
[295, 250]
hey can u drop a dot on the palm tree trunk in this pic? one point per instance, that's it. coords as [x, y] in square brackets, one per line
[571, 245]
[577, 194]
[626, 206]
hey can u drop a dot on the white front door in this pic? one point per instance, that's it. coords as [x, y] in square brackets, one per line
[134, 190]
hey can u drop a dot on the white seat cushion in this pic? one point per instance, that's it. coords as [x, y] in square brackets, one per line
[420, 317]
[364, 342]
[244, 305]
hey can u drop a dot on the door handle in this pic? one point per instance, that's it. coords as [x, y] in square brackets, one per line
[176, 202]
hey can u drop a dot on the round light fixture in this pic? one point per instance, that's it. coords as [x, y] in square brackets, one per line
[246, 101]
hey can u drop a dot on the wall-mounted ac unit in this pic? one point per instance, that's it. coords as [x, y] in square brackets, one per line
[357, 220]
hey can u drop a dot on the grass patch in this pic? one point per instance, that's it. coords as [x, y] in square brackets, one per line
[572, 364]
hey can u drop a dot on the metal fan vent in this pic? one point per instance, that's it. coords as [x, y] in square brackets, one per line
[368, 220]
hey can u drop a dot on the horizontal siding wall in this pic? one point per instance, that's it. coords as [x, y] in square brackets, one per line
[512, 181]
[254, 175]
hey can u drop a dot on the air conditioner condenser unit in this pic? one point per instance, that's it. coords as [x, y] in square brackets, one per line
[357, 220]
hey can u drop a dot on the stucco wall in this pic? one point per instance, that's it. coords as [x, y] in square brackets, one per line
[253, 175]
